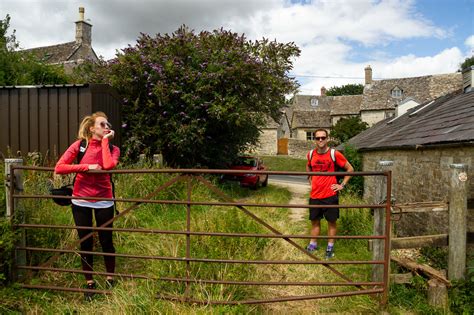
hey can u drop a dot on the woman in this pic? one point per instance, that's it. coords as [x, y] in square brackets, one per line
[96, 132]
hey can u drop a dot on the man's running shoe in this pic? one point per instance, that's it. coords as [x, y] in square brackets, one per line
[312, 247]
[329, 253]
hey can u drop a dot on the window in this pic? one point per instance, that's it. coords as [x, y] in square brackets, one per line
[309, 135]
[314, 102]
[397, 92]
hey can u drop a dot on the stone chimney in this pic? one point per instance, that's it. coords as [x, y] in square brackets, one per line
[368, 75]
[83, 30]
[467, 79]
[323, 91]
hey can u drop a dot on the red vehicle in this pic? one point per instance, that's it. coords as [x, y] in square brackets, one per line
[249, 163]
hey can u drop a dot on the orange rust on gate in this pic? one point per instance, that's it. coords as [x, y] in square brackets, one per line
[189, 176]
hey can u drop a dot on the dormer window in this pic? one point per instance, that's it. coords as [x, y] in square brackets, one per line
[397, 92]
[314, 102]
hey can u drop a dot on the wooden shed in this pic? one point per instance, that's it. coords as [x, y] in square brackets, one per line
[46, 118]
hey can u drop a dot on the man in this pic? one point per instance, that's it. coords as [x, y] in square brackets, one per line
[324, 189]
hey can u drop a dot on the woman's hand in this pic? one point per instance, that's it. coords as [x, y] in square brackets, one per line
[110, 134]
[96, 167]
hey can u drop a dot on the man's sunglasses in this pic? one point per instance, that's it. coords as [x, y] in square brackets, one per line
[320, 138]
[104, 124]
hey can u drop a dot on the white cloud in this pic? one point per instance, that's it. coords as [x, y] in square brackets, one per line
[469, 42]
[328, 32]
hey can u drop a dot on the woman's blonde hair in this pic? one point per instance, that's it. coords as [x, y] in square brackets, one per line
[84, 132]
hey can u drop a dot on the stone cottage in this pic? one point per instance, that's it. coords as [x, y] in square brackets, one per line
[381, 97]
[73, 53]
[422, 143]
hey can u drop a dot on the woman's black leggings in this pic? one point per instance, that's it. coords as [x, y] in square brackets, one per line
[83, 217]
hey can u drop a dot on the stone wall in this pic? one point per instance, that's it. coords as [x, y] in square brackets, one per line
[371, 117]
[421, 175]
[299, 148]
[268, 142]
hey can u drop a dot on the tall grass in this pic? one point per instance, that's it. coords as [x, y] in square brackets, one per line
[141, 295]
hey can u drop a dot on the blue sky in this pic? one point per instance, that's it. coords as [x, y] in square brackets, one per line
[338, 38]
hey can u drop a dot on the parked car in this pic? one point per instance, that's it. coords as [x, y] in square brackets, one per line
[248, 163]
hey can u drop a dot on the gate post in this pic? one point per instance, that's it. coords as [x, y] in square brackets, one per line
[378, 251]
[14, 185]
[457, 222]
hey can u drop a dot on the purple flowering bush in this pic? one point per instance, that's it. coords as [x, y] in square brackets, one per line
[199, 99]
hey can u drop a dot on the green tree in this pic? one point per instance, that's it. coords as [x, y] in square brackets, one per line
[346, 128]
[348, 89]
[20, 68]
[199, 99]
[467, 63]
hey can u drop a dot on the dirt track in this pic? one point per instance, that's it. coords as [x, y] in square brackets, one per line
[300, 194]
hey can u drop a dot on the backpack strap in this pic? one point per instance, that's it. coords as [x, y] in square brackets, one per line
[82, 151]
[333, 156]
[310, 158]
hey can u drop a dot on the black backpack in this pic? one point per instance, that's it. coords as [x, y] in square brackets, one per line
[337, 168]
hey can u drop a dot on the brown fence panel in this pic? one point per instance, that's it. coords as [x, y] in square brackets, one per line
[46, 118]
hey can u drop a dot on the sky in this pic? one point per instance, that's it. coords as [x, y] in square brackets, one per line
[337, 38]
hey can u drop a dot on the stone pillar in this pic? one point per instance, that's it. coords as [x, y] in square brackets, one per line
[379, 220]
[457, 221]
[14, 212]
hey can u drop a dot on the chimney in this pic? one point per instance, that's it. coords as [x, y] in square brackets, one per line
[368, 75]
[83, 30]
[467, 79]
[323, 91]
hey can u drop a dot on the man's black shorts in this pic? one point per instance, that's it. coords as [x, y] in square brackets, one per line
[331, 214]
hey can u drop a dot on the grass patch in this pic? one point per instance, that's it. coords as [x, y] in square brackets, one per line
[284, 163]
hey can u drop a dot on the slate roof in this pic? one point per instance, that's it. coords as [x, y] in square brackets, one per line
[345, 105]
[446, 120]
[56, 53]
[311, 119]
[377, 96]
[270, 123]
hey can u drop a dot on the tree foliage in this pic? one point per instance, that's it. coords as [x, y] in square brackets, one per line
[199, 99]
[467, 63]
[346, 128]
[348, 89]
[20, 68]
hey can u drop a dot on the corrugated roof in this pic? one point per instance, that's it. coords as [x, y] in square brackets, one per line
[447, 120]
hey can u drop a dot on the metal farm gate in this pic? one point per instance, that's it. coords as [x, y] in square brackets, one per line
[191, 178]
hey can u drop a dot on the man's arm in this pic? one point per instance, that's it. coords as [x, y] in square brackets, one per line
[348, 167]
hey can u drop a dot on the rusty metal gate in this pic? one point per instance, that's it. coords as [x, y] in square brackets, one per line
[199, 176]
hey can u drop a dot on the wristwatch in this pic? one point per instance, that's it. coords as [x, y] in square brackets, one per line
[342, 184]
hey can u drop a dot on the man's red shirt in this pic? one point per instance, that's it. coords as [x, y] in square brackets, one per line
[321, 185]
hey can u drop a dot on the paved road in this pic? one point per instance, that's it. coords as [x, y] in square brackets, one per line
[289, 179]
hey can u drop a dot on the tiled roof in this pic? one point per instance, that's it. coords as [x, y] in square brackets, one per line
[56, 53]
[311, 119]
[345, 105]
[446, 120]
[378, 96]
[303, 102]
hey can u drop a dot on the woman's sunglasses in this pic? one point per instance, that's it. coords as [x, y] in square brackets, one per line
[104, 125]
